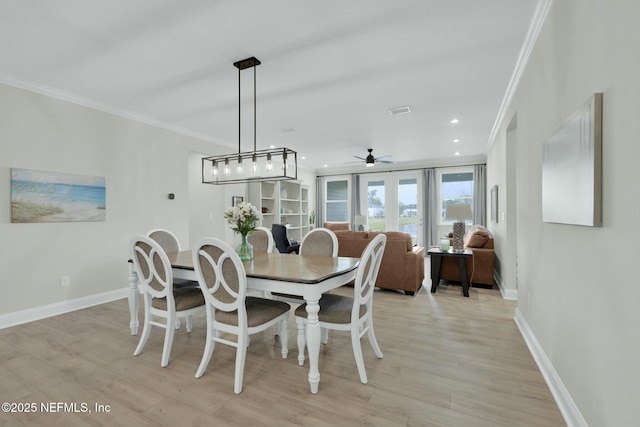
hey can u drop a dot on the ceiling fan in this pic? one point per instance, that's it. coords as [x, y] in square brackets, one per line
[370, 160]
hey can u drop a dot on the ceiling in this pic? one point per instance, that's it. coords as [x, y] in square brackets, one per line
[330, 70]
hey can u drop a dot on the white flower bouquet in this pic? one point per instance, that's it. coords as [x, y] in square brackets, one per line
[243, 217]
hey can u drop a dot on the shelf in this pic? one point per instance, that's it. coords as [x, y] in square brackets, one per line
[283, 196]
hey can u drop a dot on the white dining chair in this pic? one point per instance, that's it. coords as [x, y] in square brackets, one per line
[170, 243]
[320, 242]
[223, 283]
[166, 239]
[354, 314]
[261, 239]
[161, 298]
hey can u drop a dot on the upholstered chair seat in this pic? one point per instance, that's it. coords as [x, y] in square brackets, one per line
[184, 299]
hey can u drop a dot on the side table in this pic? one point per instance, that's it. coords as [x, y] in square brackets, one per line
[436, 263]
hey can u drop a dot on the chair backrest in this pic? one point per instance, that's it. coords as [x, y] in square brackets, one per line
[261, 239]
[153, 268]
[321, 242]
[365, 280]
[280, 238]
[167, 240]
[221, 276]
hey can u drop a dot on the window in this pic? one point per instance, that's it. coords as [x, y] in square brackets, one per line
[456, 186]
[337, 201]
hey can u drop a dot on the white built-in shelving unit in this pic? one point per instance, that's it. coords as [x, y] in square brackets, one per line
[282, 202]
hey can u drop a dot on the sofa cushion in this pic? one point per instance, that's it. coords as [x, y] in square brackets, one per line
[352, 234]
[476, 238]
[395, 235]
[335, 226]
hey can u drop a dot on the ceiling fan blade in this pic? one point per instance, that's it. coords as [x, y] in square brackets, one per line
[382, 157]
[390, 162]
[361, 158]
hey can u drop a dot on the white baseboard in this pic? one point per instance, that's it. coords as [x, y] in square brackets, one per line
[567, 406]
[37, 313]
[510, 294]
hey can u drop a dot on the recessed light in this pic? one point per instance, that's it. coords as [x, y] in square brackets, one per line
[399, 110]
[454, 121]
[272, 146]
[326, 166]
[456, 139]
[303, 158]
[457, 153]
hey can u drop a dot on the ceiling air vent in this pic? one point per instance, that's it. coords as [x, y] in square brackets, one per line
[399, 110]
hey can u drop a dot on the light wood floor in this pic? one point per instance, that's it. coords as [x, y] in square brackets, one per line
[448, 361]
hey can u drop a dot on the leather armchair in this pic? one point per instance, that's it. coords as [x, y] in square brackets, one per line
[480, 266]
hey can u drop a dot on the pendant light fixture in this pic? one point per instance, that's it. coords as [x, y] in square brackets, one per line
[274, 164]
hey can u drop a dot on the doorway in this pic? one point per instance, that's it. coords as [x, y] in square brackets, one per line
[393, 202]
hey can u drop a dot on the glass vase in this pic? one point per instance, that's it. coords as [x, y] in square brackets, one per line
[245, 250]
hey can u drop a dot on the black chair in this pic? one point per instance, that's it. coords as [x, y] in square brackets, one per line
[281, 240]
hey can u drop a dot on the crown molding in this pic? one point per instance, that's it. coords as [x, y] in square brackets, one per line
[539, 17]
[88, 103]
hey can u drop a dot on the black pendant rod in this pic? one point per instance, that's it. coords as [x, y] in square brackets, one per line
[239, 110]
[242, 65]
[254, 109]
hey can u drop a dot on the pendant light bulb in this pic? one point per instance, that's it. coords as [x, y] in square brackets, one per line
[214, 171]
[254, 164]
[227, 171]
[240, 169]
[269, 163]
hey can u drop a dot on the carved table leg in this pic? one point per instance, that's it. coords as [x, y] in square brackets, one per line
[313, 344]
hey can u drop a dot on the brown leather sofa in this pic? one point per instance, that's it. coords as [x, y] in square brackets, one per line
[402, 265]
[480, 266]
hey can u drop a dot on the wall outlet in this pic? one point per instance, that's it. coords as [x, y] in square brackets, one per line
[65, 281]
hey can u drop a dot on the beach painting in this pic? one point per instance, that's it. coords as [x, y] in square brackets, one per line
[38, 196]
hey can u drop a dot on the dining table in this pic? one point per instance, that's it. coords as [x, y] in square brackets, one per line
[307, 276]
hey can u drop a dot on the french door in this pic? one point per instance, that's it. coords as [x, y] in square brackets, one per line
[393, 202]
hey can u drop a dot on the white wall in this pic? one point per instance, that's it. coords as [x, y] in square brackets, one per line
[142, 165]
[577, 289]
